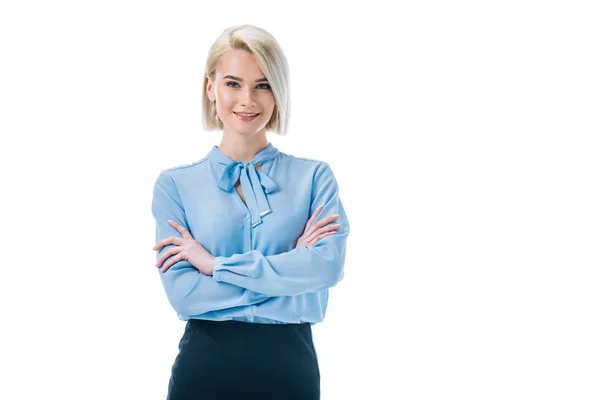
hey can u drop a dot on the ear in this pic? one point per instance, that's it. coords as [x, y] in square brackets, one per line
[210, 86]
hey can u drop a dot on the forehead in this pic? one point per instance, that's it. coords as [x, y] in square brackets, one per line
[239, 63]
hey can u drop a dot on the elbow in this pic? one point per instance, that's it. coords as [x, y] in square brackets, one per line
[178, 305]
[181, 303]
[333, 259]
[179, 282]
[184, 308]
[335, 276]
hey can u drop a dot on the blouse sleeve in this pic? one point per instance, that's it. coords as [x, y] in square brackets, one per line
[189, 291]
[303, 269]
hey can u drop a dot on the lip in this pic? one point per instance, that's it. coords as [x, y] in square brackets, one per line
[246, 118]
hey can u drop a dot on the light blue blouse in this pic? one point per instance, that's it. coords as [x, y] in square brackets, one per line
[259, 276]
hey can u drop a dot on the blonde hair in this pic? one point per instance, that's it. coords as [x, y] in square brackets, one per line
[272, 62]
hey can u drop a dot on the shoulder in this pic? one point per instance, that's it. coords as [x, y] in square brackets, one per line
[173, 179]
[318, 172]
[183, 169]
[305, 163]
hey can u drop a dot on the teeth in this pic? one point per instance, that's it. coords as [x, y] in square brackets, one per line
[246, 115]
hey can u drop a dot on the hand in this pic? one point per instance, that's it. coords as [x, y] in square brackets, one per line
[312, 234]
[187, 249]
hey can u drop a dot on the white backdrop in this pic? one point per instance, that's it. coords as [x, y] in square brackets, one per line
[464, 138]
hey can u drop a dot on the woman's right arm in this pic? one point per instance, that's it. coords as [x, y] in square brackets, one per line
[190, 292]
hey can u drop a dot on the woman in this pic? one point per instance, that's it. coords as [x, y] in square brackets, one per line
[249, 270]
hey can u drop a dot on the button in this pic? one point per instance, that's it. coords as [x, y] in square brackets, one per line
[247, 216]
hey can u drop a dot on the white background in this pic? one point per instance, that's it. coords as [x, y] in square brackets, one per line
[464, 138]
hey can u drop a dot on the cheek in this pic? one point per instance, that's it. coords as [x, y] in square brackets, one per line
[272, 104]
[226, 100]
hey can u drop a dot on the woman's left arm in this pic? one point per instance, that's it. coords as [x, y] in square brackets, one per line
[303, 269]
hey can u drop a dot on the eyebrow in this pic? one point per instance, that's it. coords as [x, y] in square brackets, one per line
[235, 78]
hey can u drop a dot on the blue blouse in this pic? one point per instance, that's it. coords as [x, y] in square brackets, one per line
[259, 276]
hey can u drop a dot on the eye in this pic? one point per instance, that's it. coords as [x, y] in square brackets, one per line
[264, 86]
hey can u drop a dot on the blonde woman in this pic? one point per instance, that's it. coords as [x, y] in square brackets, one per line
[249, 239]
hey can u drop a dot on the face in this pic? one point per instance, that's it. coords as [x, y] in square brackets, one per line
[241, 87]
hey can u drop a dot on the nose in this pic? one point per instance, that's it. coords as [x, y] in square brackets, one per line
[246, 97]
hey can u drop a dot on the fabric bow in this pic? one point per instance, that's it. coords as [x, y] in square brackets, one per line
[255, 183]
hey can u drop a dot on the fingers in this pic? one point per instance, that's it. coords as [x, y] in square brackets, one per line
[322, 223]
[184, 232]
[170, 240]
[170, 262]
[167, 254]
[178, 255]
[321, 236]
[320, 231]
[326, 220]
[310, 221]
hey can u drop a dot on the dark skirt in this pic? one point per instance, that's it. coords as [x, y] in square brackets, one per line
[223, 360]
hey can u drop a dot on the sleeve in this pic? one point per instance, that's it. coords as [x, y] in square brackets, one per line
[303, 269]
[189, 291]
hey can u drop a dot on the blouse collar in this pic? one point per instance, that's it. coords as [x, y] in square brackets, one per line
[255, 183]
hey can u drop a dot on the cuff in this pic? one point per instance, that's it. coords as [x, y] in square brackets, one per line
[217, 263]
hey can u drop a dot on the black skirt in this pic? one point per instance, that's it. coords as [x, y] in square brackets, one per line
[224, 360]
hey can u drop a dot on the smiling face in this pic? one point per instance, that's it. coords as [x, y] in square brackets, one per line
[240, 86]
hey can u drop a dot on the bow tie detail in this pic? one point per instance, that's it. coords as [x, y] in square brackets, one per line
[255, 183]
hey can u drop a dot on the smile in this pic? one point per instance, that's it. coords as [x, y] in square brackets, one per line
[246, 117]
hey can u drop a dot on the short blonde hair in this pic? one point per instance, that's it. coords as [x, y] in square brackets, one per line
[271, 60]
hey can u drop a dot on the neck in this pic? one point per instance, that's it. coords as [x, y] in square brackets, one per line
[241, 148]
